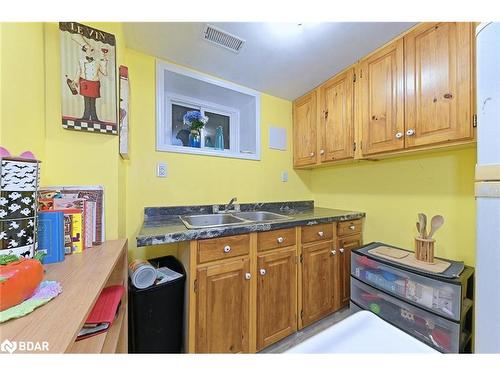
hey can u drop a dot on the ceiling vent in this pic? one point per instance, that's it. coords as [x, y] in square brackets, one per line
[222, 38]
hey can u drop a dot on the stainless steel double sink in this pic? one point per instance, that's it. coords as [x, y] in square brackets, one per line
[233, 218]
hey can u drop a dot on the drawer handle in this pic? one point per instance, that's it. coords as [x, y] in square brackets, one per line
[227, 249]
[280, 239]
[399, 135]
[341, 250]
[448, 96]
[321, 233]
[334, 252]
[248, 276]
[311, 154]
[352, 227]
[262, 271]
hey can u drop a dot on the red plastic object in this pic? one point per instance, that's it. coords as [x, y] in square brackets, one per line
[21, 278]
[367, 262]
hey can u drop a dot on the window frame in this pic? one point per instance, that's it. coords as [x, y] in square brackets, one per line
[164, 100]
[204, 106]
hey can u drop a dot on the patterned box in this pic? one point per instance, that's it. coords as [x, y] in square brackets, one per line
[19, 180]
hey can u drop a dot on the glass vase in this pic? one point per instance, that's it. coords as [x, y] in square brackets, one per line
[194, 139]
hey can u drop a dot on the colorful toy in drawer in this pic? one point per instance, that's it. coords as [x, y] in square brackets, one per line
[367, 262]
[18, 207]
[441, 338]
[375, 308]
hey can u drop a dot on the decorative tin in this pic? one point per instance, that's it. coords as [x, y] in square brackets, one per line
[19, 180]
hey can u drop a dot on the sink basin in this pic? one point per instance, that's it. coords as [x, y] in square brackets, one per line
[260, 216]
[212, 220]
[219, 220]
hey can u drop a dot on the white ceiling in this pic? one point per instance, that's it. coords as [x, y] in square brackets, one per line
[281, 59]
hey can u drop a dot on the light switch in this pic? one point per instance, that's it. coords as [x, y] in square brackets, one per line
[284, 176]
[161, 170]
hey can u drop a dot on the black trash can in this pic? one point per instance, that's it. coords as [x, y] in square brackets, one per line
[156, 313]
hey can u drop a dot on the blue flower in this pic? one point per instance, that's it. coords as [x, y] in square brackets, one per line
[195, 120]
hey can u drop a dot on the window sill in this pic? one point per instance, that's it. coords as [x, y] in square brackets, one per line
[207, 152]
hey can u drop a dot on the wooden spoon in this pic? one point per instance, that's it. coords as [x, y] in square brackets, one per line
[436, 223]
[422, 219]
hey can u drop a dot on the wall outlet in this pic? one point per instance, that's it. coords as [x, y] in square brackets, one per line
[161, 170]
[284, 176]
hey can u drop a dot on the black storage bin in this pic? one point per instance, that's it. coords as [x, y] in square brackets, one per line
[156, 313]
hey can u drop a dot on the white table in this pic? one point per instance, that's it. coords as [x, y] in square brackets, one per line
[362, 332]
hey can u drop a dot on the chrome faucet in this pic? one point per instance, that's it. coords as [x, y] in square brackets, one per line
[226, 208]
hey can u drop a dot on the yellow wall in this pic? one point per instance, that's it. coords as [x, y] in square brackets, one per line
[393, 191]
[22, 107]
[195, 179]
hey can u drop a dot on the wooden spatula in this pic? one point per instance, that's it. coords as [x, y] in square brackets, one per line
[436, 223]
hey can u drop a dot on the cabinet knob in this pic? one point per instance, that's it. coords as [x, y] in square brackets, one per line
[321, 233]
[448, 96]
[280, 239]
[352, 227]
[227, 249]
[322, 152]
[399, 135]
[341, 250]
[334, 252]
[248, 276]
[311, 154]
[262, 271]
[410, 132]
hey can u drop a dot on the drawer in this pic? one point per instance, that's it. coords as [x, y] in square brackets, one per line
[275, 239]
[223, 247]
[346, 228]
[318, 232]
[437, 332]
[441, 298]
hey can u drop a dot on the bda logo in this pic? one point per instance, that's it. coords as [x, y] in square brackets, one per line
[8, 346]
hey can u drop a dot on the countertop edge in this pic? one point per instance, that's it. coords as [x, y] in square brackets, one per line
[198, 234]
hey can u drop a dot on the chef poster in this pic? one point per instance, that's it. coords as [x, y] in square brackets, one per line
[88, 77]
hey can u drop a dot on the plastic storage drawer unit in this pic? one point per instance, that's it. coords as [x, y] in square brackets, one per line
[156, 313]
[439, 333]
[443, 298]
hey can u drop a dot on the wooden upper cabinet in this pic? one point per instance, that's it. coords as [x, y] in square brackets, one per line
[337, 117]
[438, 61]
[319, 281]
[276, 296]
[305, 130]
[381, 100]
[223, 307]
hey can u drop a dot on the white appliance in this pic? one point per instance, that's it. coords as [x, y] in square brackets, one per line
[363, 332]
[487, 186]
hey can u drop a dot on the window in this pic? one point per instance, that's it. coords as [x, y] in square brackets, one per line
[232, 108]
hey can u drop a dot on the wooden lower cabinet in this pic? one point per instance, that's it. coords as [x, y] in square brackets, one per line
[223, 307]
[345, 246]
[319, 281]
[244, 303]
[276, 296]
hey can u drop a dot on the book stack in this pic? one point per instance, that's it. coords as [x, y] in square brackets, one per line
[103, 313]
[82, 222]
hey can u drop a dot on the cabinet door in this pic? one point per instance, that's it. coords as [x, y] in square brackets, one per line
[337, 122]
[438, 58]
[345, 246]
[304, 130]
[276, 296]
[223, 308]
[319, 281]
[382, 100]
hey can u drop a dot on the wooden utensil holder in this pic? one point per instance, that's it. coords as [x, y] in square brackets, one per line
[424, 249]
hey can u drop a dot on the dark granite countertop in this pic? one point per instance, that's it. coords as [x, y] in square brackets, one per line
[162, 224]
